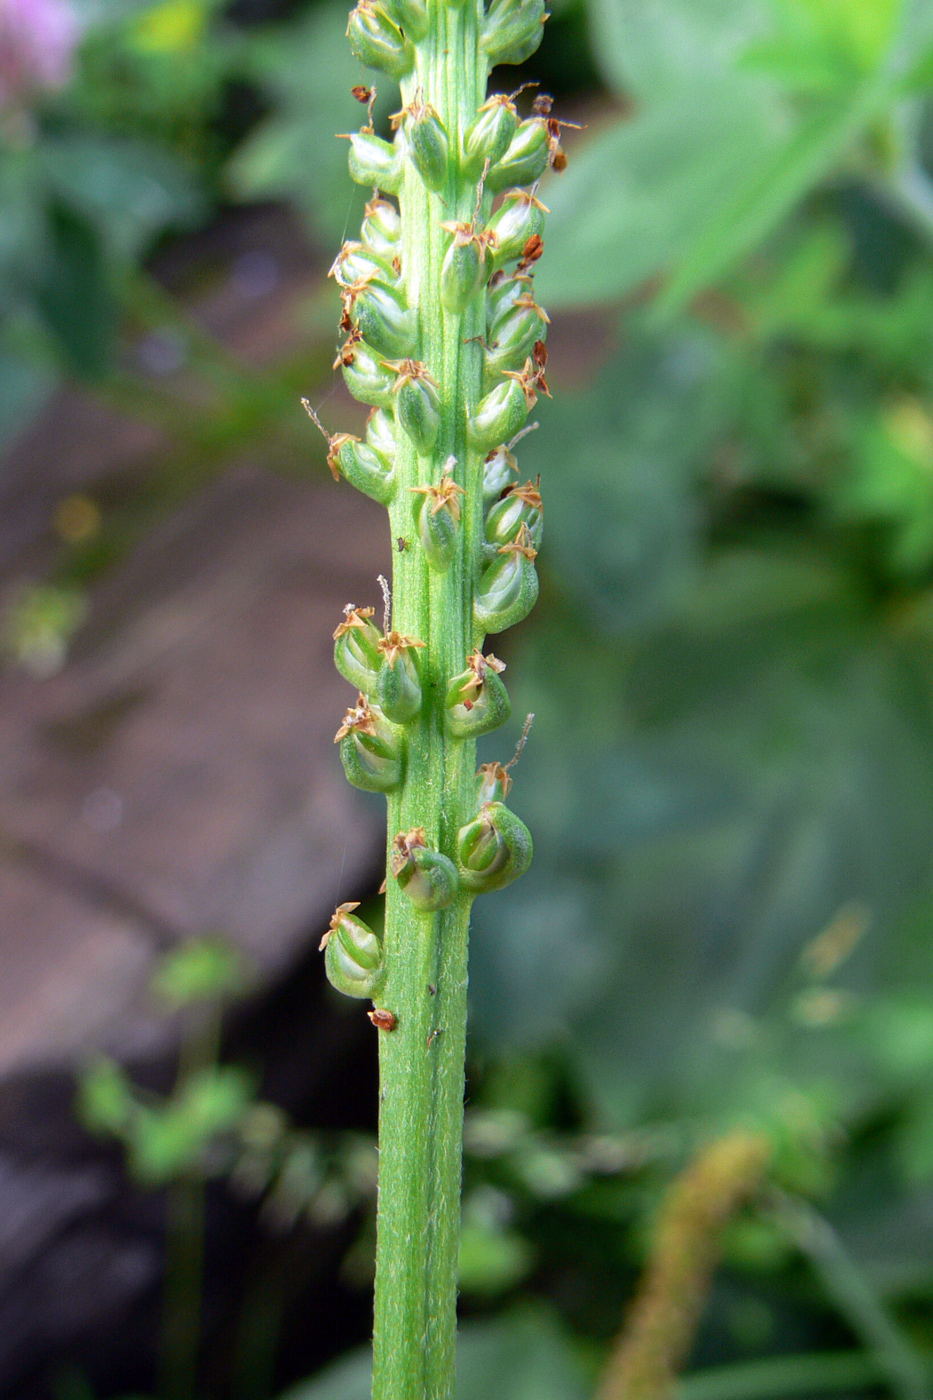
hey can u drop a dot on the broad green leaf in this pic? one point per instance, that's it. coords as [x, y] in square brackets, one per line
[649, 51]
[778, 182]
[632, 200]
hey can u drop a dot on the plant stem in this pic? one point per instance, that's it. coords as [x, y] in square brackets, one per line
[422, 1061]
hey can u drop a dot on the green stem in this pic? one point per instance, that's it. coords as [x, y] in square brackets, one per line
[422, 1060]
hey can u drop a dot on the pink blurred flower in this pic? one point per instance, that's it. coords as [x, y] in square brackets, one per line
[37, 41]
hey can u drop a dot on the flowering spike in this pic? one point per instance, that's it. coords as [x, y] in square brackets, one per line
[353, 954]
[477, 700]
[428, 878]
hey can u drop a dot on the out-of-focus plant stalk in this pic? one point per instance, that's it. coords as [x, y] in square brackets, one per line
[445, 341]
[659, 1332]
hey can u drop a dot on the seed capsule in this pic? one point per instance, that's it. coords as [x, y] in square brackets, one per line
[489, 135]
[526, 159]
[520, 510]
[353, 955]
[436, 511]
[508, 586]
[380, 434]
[493, 850]
[356, 649]
[417, 404]
[382, 229]
[375, 162]
[518, 218]
[498, 467]
[466, 266]
[411, 15]
[357, 263]
[365, 469]
[428, 878]
[513, 335]
[376, 41]
[365, 374]
[477, 700]
[503, 292]
[382, 317]
[372, 751]
[428, 145]
[398, 683]
[512, 30]
[499, 415]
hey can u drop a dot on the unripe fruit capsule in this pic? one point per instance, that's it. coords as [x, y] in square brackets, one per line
[398, 684]
[498, 416]
[411, 15]
[375, 162]
[428, 145]
[356, 649]
[376, 41]
[357, 263]
[507, 589]
[494, 849]
[512, 30]
[380, 434]
[366, 376]
[477, 701]
[383, 318]
[489, 135]
[518, 218]
[427, 877]
[371, 751]
[353, 956]
[526, 159]
[382, 229]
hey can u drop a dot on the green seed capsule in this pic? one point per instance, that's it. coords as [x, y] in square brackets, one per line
[376, 41]
[513, 335]
[494, 849]
[497, 473]
[353, 955]
[518, 218]
[371, 750]
[380, 434]
[398, 684]
[466, 266]
[489, 135]
[356, 649]
[436, 512]
[367, 470]
[382, 317]
[411, 15]
[382, 229]
[520, 508]
[428, 146]
[526, 159]
[498, 416]
[375, 162]
[503, 292]
[357, 263]
[508, 587]
[428, 878]
[512, 30]
[417, 405]
[477, 701]
[366, 376]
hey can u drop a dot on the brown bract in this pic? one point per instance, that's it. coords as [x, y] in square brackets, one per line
[346, 356]
[403, 845]
[531, 378]
[465, 233]
[528, 303]
[499, 99]
[521, 544]
[334, 445]
[479, 665]
[528, 493]
[531, 251]
[353, 617]
[359, 719]
[335, 921]
[496, 773]
[445, 493]
[407, 371]
[394, 644]
[417, 109]
[383, 1020]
